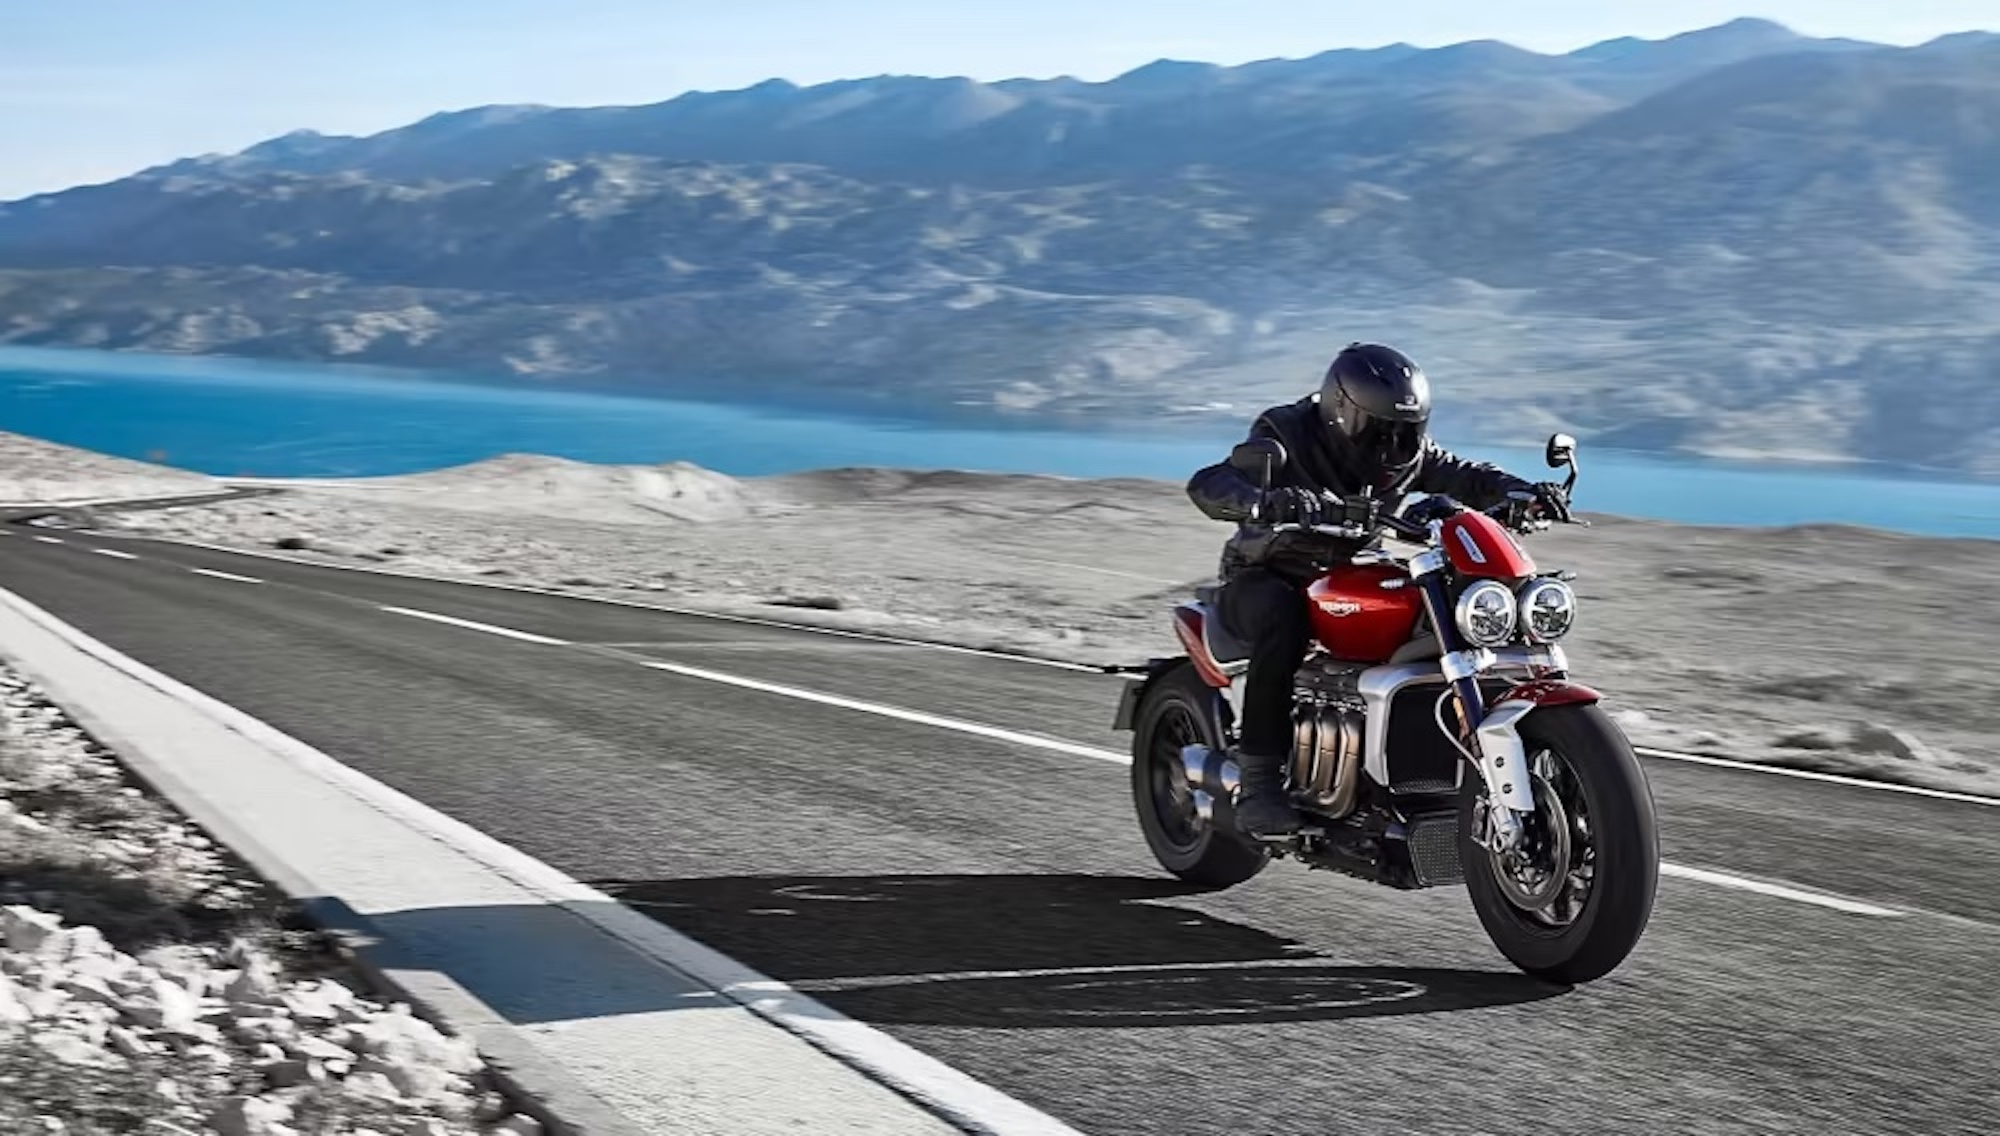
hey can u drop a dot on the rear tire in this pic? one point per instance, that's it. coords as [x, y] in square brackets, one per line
[1179, 710]
[1601, 772]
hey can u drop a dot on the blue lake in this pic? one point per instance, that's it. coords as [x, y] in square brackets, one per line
[234, 418]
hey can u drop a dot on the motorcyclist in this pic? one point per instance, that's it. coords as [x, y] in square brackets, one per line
[1357, 447]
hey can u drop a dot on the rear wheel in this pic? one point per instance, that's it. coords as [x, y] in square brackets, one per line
[1572, 901]
[1180, 710]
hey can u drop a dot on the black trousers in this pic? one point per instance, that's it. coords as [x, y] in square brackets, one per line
[1268, 612]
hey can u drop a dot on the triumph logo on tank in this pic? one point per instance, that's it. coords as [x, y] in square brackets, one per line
[1340, 607]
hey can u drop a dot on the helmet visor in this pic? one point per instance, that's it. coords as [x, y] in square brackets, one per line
[1394, 445]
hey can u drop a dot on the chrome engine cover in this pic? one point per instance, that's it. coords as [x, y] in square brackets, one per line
[1328, 739]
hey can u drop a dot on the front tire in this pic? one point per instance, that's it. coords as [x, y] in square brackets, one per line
[1180, 710]
[1546, 924]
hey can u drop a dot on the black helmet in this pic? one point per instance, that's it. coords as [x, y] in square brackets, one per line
[1377, 404]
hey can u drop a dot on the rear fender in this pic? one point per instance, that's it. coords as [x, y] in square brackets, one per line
[1126, 717]
[1191, 628]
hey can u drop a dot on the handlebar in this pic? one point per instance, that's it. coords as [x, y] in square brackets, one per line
[1510, 513]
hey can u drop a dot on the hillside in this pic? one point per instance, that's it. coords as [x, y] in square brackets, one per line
[1739, 239]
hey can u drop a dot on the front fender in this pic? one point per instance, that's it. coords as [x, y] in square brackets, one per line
[1506, 757]
[1549, 692]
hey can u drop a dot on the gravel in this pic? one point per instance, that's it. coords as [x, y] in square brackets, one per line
[149, 982]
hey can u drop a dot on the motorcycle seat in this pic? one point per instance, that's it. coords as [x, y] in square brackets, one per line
[1223, 646]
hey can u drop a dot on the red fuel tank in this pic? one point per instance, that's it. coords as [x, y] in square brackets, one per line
[1356, 619]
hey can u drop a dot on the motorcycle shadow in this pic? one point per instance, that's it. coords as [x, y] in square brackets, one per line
[1040, 952]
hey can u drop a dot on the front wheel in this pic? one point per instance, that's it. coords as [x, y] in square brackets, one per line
[1180, 710]
[1572, 901]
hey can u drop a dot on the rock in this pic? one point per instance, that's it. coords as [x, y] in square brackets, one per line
[372, 1086]
[251, 1116]
[212, 1055]
[318, 1001]
[257, 984]
[265, 1029]
[176, 959]
[128, 1044]
[69, 1047]
[13, 1009]
[489, 1107]
[518, 1125]
[76, 943]
[405, 1039]
[26, 929]
[318, 1048]
[289, 1072]
[1899, 744]
[1812, 738]
[425, 1126]
[292, 543]
[109, 968]
[44, 1002]
[170, 1008]
[89, 988]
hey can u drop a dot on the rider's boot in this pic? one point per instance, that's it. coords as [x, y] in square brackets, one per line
[1262, 809]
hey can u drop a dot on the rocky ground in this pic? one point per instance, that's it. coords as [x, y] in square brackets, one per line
[34, 472]
[1820, 647]
[150, 983]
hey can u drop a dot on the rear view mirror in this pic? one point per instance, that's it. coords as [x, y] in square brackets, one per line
[1259, 456]
[1562, 450]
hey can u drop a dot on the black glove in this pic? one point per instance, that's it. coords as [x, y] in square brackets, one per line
[1551, 501]
[1288, 506]
[1364, 513]
[1436, 507]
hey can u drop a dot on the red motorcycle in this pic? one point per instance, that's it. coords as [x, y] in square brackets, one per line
[1438, 739]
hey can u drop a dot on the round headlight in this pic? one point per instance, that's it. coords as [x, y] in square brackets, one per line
[1548, 610]
[1486, 614]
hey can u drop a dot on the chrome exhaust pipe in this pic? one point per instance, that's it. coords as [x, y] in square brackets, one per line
[1210, 772]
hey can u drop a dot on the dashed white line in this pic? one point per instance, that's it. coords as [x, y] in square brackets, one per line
[1799, 895]
[50, 539]
[977, 729]
[215, 575]
[471, 625]
[114, 554]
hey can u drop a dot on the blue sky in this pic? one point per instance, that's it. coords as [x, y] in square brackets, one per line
[94, 89]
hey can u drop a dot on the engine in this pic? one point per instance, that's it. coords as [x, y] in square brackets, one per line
[1327, 720]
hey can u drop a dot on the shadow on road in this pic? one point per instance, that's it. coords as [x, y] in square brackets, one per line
[1039, 952]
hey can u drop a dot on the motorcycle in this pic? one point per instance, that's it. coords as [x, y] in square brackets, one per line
[1438, 737]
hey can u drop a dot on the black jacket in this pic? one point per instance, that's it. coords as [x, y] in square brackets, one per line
[1226, 494]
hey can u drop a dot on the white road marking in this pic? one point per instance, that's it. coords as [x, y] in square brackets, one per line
[1723, 879]
[996, 733]
[114, 554]
[1815, 775]
[215, 575]
[959, 725]
[1055, 664]
[664, 609]
[957, 1096]
[49, 539]
[470, 625]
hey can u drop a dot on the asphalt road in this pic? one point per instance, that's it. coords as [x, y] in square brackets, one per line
[987, 898]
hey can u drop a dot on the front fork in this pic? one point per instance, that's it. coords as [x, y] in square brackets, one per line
[1491, 741]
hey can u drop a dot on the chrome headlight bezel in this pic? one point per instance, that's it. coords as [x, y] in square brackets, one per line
[1482, 602]
[1534, 595]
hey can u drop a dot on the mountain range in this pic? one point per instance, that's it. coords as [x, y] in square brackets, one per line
[1735, 241]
